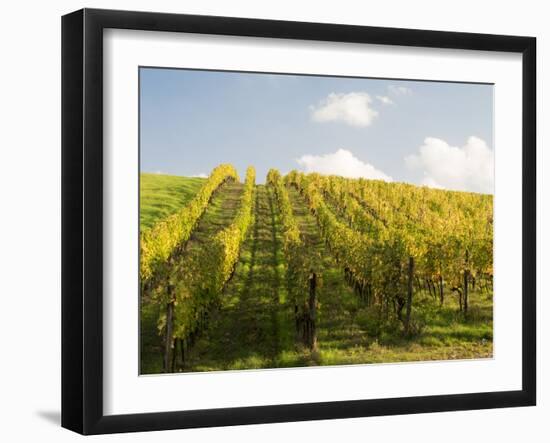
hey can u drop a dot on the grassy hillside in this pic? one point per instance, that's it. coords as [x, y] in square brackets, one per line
[253, 325]
[162, 195]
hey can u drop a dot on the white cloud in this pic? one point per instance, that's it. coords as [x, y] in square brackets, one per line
[343, 163]
[399, 90]
[465, 168]
[201, 175]
[385, 99]
[353, 109]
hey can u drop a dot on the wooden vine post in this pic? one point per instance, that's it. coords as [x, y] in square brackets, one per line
[312, 327]
[441, 289]
[409, 296]
[466, 278]
[168, 339]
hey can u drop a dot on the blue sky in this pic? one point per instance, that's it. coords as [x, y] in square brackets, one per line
[433, 133]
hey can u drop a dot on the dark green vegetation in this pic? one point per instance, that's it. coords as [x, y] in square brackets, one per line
[253, 326]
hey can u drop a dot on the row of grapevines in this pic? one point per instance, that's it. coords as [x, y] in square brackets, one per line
[291, 232]
[408, 238]
[302, 266]
[198, 284]
[451, 224]
[453, 230]
[355, 251]
[360, 217]
[159, 243]
[458, 226]
[447, 234]
[292, 242]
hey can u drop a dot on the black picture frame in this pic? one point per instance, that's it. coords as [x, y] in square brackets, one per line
[82, 219]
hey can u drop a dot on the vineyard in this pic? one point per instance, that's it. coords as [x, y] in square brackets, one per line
[310, 270]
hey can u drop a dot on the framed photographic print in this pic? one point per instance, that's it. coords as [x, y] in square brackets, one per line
[269, 221]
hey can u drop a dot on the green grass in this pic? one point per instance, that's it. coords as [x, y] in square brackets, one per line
[254, 326]
[162, 195]
[445, 334]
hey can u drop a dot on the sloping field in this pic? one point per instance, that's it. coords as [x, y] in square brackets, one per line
[162, 195]
[358, 318]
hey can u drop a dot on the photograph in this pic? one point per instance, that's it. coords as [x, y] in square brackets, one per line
[297, 220]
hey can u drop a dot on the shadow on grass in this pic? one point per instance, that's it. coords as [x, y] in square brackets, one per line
[251, 328]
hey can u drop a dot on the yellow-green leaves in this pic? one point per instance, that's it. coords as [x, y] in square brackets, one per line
[373, 227]
[201, 283]
[158, 243]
